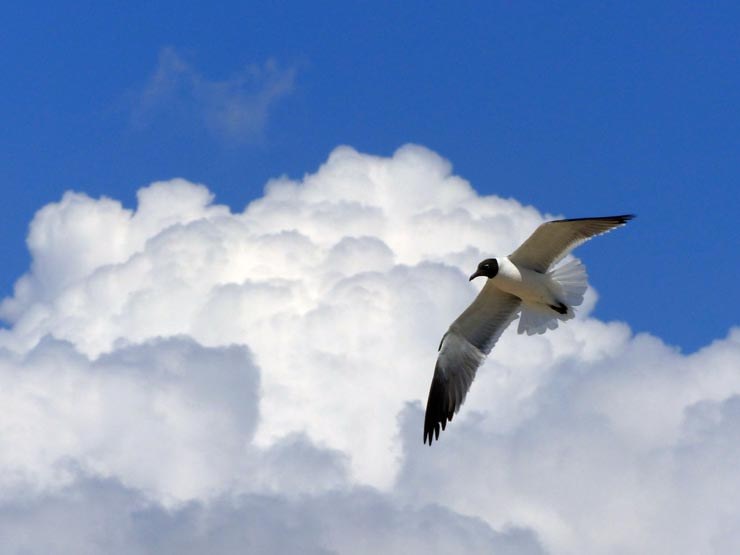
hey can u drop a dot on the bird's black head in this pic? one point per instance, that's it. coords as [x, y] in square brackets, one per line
[488, 268]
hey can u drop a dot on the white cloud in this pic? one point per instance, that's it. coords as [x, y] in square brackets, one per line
[99, 516]
[195, 355]
[235, 109]
[633, 453]
[170, 418]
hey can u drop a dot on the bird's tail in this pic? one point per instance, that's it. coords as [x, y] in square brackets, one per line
[568, 284]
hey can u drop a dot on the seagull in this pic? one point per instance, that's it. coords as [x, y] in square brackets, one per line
[527, 281]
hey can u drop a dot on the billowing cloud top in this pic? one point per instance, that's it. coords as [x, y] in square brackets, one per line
[262, 373]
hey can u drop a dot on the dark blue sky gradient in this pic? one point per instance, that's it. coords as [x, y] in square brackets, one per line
[589, 109]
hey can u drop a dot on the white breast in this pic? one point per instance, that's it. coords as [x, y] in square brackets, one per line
[528, 285]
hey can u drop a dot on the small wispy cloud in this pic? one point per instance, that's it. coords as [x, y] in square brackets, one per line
[235, 110]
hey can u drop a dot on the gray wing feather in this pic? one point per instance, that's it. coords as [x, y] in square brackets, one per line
[553, 240]
[462, 350]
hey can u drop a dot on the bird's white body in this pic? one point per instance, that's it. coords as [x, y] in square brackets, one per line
[530, 286]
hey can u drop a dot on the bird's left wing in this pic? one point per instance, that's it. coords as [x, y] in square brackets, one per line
[463, 348]
[553, 240]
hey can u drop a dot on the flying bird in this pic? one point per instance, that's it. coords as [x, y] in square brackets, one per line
[526, 281]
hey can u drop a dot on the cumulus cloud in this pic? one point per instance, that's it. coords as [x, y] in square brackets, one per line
[212, 365]
[101, 516]
[632, 453]
[235, 109]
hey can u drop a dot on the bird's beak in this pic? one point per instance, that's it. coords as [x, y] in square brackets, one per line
[475, 275]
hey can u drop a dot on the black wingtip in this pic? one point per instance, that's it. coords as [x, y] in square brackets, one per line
[438, 411]
[617, 220]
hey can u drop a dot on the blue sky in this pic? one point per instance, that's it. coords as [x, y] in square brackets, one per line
[584, 109]
[250, 373]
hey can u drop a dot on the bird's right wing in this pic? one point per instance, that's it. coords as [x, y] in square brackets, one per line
[463, 348]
